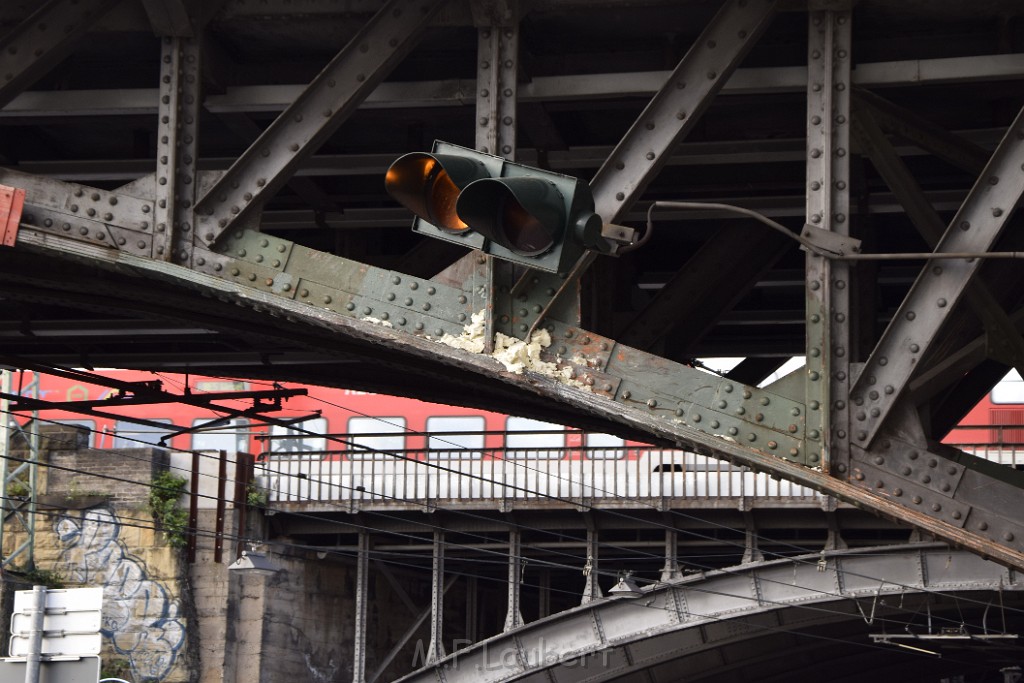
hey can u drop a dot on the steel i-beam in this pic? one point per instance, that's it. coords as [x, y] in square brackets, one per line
[40, 42]
[177, 150]
[300, 130]
[828, 208]
[650, 141]
[975, 228]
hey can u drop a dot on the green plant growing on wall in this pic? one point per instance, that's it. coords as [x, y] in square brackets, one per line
[256, 496]
[18, 488]
[45, 577]
[115, 668]
[163, 505]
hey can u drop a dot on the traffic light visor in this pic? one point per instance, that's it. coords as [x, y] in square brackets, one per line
[525, 215]
[429, 186]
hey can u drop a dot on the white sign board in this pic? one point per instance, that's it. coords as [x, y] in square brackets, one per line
[70, 670]
[71, 623]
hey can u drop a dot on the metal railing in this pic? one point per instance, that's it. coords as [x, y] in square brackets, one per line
[999, 443]
[570, 476]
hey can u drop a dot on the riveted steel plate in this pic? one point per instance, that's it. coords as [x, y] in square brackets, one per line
[266, 250]
[580, 346]
[88, 230]
[761, 407]
[907, 492]
[911, 464]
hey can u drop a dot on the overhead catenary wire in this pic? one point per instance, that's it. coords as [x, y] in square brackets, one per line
[439, 467]
[451, 544]
[147, 525]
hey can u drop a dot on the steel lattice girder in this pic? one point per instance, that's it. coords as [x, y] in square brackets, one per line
[298, 132]
[766, 429]
[610, 639]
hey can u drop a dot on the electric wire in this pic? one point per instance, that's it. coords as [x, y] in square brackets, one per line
[142, 524]
[504, 557]
[395, 455]
[635, 551]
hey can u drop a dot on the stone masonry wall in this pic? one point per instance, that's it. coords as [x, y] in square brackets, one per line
[94, 529]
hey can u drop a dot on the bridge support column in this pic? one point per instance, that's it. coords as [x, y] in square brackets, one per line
[514, 617]
[671, 570]
[362, 588]
[435, 650]
[544, 596]
[591, 589]
[751, 552]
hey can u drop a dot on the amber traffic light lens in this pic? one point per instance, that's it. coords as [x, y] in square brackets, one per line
[421, 183]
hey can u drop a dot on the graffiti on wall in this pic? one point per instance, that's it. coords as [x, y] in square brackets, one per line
[141, 618]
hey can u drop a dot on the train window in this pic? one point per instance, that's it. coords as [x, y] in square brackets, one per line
[523, 441]
[604, 446]
[131, 435]
[461, 437]
[376, 438]
[232, 437]
[1010, 389]
[301, 438]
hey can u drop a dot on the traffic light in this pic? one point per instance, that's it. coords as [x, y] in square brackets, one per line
[537, 218]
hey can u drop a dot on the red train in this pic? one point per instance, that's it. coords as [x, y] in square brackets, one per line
[349, 424]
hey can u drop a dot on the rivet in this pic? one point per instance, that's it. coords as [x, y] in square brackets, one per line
[859, 476]
[715, 424]
[879, 460]
[773, 445]
[1008, 536]
[917, 500]
[626, 394]
[426, 307]
[983, 526]
[879, 484]
[897, 492]
[652, 403]
[905, 470]
[751, 436]
[723, 404]
[733, 431]
[914, 348]
[419, 326]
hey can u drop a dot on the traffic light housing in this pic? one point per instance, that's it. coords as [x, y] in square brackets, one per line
[537, 218]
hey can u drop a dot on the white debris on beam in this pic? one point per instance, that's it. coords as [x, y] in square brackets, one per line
[377, 321]
[515, 354]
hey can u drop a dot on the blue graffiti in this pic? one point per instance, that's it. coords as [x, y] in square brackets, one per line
[140, 617]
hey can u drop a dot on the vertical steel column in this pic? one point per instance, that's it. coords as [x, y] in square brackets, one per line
[472, 595]
[591, 589]
[671, 571]
[497, 66]
[177, 144]
[435, 650]
[26, 514]
[828, 199]
[514, 617]
[544, 594]
[5, 446]
[362, 590]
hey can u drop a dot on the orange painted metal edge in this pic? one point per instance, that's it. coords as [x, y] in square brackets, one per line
[12, 201]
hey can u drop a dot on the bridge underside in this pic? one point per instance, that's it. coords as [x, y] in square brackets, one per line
[197, 197]
[809, 618]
